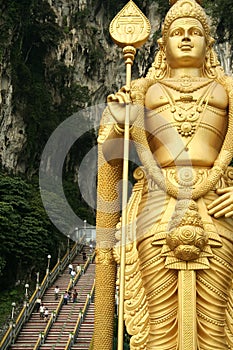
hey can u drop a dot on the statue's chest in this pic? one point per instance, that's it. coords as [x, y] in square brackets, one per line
[186, 108]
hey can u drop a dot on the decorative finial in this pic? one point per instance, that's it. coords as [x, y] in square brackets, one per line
[172, 2]
[130, 26]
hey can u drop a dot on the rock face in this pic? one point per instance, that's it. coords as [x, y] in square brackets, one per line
[92, 59]
[12, 126]
[88, 48]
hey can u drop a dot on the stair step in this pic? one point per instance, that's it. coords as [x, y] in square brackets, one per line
[66, 319]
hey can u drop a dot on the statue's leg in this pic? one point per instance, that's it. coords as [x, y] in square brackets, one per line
[161, 292]
[214, 301]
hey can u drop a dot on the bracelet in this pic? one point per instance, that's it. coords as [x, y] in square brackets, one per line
[119, 130]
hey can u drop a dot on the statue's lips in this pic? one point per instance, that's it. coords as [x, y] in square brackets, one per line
[186, 47]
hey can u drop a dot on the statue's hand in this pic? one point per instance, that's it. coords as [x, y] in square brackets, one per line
[117, 102]
[222, 206]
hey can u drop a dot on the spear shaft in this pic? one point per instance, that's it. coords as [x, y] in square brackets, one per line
[129, 29]
[129, 53]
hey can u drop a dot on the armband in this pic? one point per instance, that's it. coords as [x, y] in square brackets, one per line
[119, 130]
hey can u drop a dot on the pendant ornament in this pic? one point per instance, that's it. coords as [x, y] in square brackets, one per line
[186, 236]
[186, 111]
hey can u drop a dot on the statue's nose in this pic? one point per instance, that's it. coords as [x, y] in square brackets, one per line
[186, 36]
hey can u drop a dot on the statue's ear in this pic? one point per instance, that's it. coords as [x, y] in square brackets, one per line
[160, 42]
[211, 41]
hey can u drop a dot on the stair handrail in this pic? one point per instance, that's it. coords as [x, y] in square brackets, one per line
[70, 340]
[73, 281]
[58, 308]
[14, 328]
[74, 334]
[92, 293]
[7, 338]
[43, 334]
[38, 342]
[89, 261]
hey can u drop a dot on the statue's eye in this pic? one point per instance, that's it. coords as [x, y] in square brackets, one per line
[176, 32]
[196, 32]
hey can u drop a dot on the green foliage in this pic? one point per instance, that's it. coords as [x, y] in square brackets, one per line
[26, 234]
[44, 94]
[126, 339]
[6, 299]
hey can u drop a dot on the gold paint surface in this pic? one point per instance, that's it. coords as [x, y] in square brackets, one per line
[130, 26]
[178, 274]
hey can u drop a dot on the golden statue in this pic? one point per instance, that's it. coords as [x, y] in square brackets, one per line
[179, 252]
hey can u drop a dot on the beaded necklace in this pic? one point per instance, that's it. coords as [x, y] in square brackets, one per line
[186, 84]
[186, 111]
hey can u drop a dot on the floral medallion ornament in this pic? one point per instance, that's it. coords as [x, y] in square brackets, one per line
[186, 236]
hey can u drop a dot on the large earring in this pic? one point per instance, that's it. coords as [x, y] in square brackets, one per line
[211, 62]
[159, 67]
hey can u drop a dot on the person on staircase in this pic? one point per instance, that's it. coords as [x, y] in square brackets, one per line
[46, 314]
[74, 295]
[65, 298]
[37, 305]
[78, 268]
[70, 267]
[42, 310]
[56, 292]
[72, 275]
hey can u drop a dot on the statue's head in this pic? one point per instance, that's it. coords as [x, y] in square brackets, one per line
[190, 11]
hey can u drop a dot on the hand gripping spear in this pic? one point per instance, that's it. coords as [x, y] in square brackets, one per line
[130, 30]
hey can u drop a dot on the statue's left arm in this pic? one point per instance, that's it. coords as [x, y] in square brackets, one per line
[222, 206]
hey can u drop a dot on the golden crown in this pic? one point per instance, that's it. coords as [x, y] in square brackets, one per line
[172, 2]
[185, 8]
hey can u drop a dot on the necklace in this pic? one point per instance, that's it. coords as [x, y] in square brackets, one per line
[217, 170]
[186, 84]
[186, 111]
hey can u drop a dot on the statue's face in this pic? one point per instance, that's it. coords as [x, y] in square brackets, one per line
[186, 44]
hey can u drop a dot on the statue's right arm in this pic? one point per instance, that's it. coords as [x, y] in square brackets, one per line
[111, 134]
[117, 105]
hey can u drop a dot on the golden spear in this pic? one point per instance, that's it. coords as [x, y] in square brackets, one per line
[129, 29]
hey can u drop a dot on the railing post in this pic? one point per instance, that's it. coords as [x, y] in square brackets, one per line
[12, 325]
[37, 280]
[71, 337]
[26, 311]
[81, 314]
[41, 338]
[54, 315]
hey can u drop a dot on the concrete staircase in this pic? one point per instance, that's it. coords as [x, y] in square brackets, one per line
[60, 330]
[66, 319]
[86, 331]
